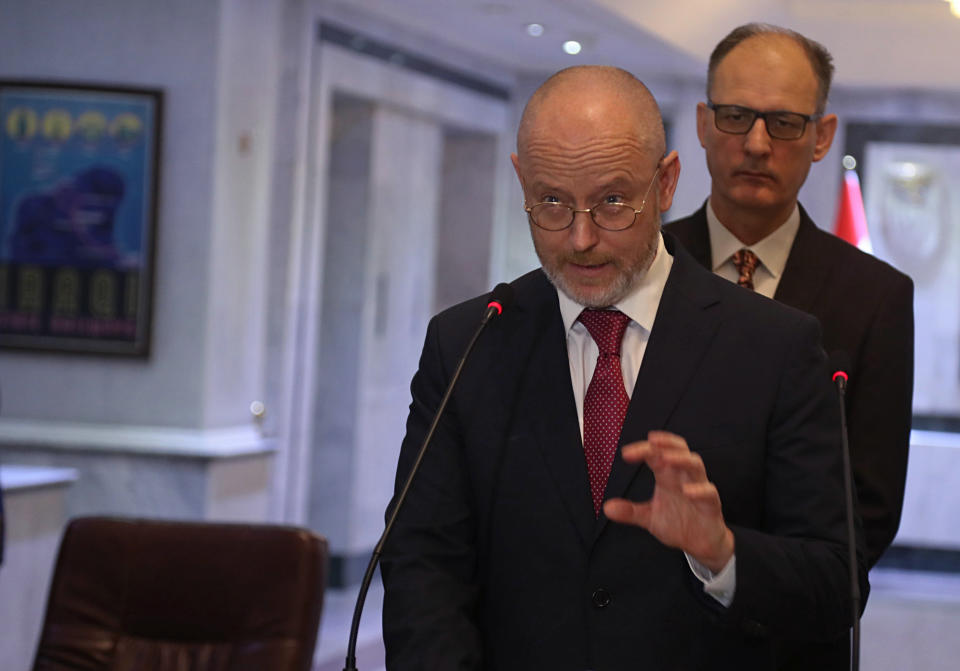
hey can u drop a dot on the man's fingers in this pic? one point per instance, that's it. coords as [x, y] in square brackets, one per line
[701, 493]
[664, 440]
[675, 468]
[627, 512]
[668, 457]
[636, 453]
[689, 463]
[658, 442]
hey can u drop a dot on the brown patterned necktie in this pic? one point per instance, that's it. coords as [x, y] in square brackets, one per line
[746, 262]
[606, 401]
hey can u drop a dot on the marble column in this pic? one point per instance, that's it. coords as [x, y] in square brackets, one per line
[379, 284]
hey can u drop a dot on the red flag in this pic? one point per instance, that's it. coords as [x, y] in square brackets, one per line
[851, 224]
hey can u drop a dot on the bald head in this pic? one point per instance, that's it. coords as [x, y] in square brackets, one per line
[590, 155]
[596, 95]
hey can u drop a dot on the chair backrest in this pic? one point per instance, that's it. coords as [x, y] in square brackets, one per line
[185, 596]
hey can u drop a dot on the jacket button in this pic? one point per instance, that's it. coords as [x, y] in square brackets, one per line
[600, 598]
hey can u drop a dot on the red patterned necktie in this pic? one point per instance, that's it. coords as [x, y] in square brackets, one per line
[605, 405]
[746, 262]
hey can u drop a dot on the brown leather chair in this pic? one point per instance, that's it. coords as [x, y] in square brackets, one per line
[183, 596]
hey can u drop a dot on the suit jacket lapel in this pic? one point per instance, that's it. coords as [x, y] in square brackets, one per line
[806, 272]
[682, 331]
[695, 236]
[545, 402]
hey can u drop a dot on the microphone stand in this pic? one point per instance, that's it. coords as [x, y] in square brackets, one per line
[499, 299]
[840, 378]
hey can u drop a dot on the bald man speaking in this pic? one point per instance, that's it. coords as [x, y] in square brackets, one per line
[598, 495]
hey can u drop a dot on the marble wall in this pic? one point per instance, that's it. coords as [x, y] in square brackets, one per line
[465, 220]
[34, 501]
[402, 154]
[932, 496]
[222, 483]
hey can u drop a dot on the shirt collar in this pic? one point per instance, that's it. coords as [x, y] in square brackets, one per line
[772, 251]
[643, 300]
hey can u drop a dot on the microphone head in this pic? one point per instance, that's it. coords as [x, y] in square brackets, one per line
[501, 298]
[839, 362]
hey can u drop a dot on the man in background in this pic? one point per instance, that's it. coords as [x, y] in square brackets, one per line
[639, 467]
[762, 126]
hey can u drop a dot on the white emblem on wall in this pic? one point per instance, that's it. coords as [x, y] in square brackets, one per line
[910, 196]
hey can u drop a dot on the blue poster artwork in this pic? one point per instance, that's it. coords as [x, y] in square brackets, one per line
[77, 183]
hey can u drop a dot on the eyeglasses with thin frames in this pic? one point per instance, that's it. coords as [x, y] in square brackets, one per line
[608, 216]
[780, 125]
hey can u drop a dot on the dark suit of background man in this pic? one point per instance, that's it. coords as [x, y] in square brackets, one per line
[757, 165]
[718, 531]
[865, 306]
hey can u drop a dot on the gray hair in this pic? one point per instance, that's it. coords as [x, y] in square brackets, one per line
[820, 59]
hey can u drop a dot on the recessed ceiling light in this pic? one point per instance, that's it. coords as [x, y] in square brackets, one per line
[572, 47]
[534, 29]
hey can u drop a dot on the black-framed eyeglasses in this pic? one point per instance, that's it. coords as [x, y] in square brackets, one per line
[608, 216]
[779, 124]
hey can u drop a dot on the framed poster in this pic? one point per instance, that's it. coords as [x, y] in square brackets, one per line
[911, 189]
[78, 202]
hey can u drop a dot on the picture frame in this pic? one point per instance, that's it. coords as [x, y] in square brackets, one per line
[79, 184]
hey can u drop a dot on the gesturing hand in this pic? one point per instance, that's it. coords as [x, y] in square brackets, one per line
[684, 511]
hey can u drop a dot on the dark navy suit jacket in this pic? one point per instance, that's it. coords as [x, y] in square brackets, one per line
[497, 561]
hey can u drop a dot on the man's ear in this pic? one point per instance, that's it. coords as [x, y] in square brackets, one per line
[703, 121]
[826, 128]
[516, 167]
[667, 180]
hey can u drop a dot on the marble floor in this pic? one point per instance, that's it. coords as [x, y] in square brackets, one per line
[910, 623]
[335, 621]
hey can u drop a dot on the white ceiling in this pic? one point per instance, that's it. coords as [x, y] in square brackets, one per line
[889, 43]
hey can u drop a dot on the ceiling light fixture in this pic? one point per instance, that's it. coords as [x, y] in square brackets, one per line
[572, 47]
[954, 7]
[534, 29]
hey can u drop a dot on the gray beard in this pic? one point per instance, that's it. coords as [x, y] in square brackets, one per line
[620, 287]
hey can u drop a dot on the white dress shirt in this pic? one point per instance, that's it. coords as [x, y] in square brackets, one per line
[772, 251]
[582, 352]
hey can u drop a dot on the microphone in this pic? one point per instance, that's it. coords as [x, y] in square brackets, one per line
[501, 298]
[840, 364]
